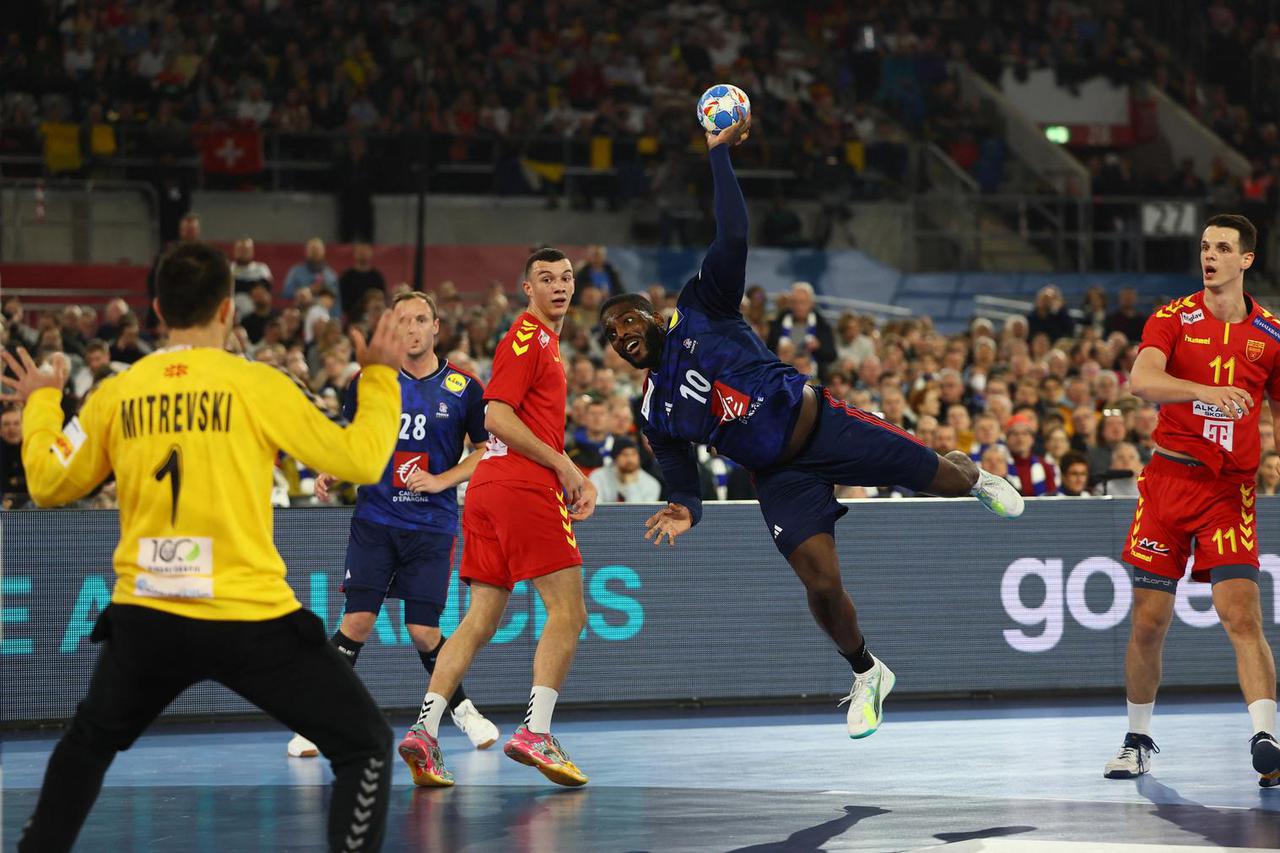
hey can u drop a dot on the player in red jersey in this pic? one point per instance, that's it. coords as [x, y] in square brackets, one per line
[517, 525]
[1207, 359]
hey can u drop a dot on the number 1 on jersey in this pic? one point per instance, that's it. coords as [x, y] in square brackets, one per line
[171, 467]
[1218, 365]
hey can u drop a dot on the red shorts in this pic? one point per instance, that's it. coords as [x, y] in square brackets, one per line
[514, 531]
[1182, 508]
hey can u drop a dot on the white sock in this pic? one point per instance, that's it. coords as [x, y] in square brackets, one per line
[1262, 713]
[1140, 717]
[433, 706]
[542, 702]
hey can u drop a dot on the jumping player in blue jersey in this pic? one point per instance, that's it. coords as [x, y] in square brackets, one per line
[712, 381]
[404, 526]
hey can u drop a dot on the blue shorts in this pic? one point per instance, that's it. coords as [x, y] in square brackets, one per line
[848, 447]
[413, 565]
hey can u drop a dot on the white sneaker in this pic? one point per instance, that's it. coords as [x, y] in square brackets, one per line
[473, 724]
[998, 495]
[300, 747]
[866, 699]
[1133, 759]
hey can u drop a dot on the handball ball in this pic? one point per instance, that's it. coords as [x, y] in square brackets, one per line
[721, 105]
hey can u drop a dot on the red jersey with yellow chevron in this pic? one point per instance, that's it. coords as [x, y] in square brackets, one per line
[1201, 348]
[528, 377]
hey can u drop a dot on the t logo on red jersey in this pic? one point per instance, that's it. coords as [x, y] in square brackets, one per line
[1221, 432]
[404, 463]
[728, 404]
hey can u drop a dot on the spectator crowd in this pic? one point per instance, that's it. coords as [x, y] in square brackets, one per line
[1039, 399]
[839, 88]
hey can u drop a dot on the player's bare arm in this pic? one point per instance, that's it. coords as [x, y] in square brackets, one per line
[502, 421]
[1153, 383]
[420, 480]
[424, 481]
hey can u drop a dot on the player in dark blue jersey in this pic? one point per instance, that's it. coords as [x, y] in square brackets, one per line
[712, 381]
[404, 527]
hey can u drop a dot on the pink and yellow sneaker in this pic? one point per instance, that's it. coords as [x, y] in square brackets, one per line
[422, 753]
[544, 752]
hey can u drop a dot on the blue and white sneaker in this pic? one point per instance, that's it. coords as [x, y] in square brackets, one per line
[1266, 759]
[1133, 759]
[866, 699]
[998, 495]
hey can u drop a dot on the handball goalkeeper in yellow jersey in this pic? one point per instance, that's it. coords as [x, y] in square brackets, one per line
[191, 432]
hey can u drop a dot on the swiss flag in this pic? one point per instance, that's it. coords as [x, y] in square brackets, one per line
[231, 152]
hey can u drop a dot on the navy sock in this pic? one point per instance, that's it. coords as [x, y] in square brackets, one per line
[429, 664]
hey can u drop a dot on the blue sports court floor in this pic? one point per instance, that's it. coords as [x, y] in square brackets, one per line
[960, 778]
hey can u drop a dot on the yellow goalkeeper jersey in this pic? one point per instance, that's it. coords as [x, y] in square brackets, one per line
[192, 435]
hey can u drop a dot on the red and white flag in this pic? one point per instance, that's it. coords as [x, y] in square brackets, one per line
[231, 152]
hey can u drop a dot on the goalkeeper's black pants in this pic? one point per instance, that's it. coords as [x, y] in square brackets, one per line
[285, 666]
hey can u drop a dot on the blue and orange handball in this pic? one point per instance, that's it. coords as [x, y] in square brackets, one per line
[721, 105]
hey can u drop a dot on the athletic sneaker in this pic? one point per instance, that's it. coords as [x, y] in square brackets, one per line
[998, 495]
[1133, 759]
[866, 699]
[473, 724]
[545, 753]
[1266, 755]
[300, 747]
[422, 753]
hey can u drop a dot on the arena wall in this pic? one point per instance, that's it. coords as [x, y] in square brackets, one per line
[957, 603]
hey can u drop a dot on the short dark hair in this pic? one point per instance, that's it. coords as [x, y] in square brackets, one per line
[546, 254]
[96, 344]
[1072, 457]
[191, 283]
[629, 300]
[1248, 233]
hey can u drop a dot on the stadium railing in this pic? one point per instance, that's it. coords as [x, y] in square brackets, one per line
[1069, 234]
[59, 220]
